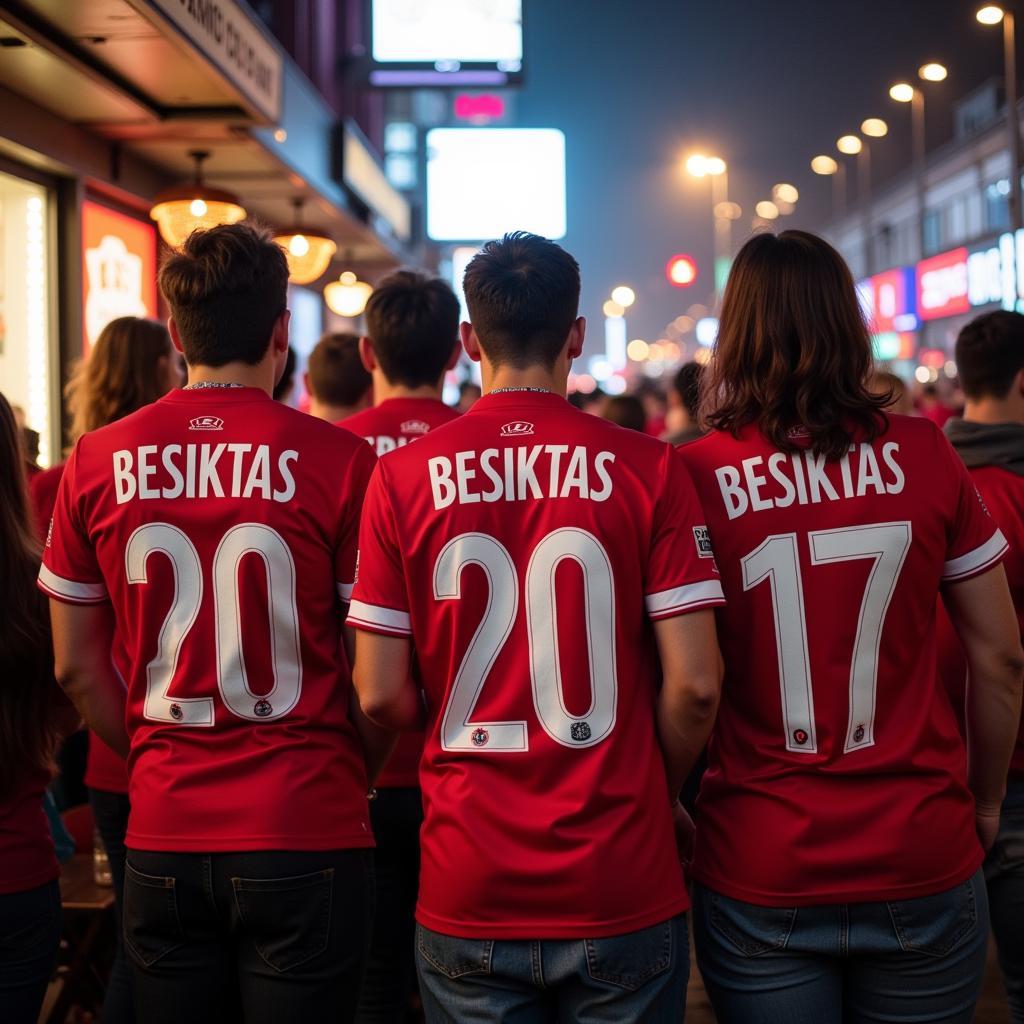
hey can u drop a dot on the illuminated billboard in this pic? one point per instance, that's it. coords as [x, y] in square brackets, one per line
[483, 182]
[457, 42]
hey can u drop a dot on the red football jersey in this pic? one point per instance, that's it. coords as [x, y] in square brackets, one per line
[525, 548]
[836, 769]
[223, 527]
[390, 425]
[1003, 494]
[27, 858]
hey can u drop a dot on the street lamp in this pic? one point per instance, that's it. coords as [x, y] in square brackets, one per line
[829, 167]
[992, 14]
[699, 165]
[624, 296]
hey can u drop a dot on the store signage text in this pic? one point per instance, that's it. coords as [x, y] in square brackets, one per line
[235, 44]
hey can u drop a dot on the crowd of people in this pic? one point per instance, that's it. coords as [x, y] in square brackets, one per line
[395, 703]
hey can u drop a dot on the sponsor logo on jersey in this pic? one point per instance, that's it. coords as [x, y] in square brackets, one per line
[206, 423]
[415, 427]
[517, 428]
[702, 539]
[798, 433]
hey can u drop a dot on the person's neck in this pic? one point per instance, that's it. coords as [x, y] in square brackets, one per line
[994, 410]
[332, 413]
[383, 389]
[540, 377]
[259, 376]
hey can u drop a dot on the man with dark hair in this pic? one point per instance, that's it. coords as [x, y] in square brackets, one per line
[539, 561]
[216, 529]
[284, 388]
[338, 384]
[412, 340]
[990, 440]
[684, 404]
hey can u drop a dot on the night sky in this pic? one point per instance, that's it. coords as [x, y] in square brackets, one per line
[766, 84]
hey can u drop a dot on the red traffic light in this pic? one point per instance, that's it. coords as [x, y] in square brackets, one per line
[681, 270]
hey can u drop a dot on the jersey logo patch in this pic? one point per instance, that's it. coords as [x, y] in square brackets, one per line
[206, 423]
[702, 539]
[480, 737]
[517, 428]
[415, 427]
[579, 731]
[262, 708]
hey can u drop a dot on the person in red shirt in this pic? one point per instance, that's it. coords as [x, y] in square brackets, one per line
[536, 563]
[412, 340]
[32, 712]
[338, 384]
[840, 829]
[990, 440]
[132, 364]
[216, 531]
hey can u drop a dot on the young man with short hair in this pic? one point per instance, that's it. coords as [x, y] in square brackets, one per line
[412, 340]
[216, 530]
[990, 440]
[554, 576]
[338, 384]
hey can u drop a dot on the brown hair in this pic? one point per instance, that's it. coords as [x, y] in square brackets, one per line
[226, 288]
[120, 375]
[336, 372]
[28, 734]
[793, 348]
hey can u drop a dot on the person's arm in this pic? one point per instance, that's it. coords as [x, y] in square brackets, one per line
[691, 667]
[377, 743]
[982, 613]
[387, 693]
[83, 636]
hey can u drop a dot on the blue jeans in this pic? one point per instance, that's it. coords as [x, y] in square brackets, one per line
[30, 925]
[637, 977]
[1004, 876]
[902, 961]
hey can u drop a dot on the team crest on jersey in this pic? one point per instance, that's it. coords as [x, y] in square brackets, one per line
[517, 428]
[262, 708]
[798, 433]
[480, 737]
[579, 731]
[176, 713]
[415, 427]
[206, 423]
[702, 539]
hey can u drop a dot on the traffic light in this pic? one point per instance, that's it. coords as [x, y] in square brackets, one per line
[681, 270]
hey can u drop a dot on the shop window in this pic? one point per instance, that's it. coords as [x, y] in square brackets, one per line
[26, 356]
[932, 231]
[997, 205]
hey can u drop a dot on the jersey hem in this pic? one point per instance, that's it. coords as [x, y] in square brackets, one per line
[65, 599]
[551, 930]
[812, 899]
[245, 844]
[969, 574]
[684, 609]
[374, 627]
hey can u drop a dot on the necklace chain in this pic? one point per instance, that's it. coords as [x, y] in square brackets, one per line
[200, 384]
[522, 387]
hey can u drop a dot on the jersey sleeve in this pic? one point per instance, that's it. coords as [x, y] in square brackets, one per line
[69, 571]
[974, 543]
[346, 552]
[681, 574]
[380, 602]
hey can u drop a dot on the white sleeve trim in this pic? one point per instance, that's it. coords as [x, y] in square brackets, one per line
[687, 596]
[360, 613]
[69, 589]
[345, 591]
[976, 560]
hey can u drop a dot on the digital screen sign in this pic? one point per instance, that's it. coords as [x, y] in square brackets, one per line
[484, 182]
[456, 41]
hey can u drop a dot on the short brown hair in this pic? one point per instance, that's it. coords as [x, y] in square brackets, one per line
[120, 375]
[990, 353]
[226, 288]
[413, 324]
[793, 348]
[336, 372]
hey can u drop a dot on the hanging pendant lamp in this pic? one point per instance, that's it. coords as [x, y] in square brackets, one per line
[180, 210]
[307, 249]
[348, 295]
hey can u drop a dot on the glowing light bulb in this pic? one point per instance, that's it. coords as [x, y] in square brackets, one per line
[197, 208]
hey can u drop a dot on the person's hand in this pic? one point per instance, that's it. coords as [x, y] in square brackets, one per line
[986, 821]
[684, 830]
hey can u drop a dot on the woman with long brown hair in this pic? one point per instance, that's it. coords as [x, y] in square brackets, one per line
[132, 364]
[30, 709]
[841, 823]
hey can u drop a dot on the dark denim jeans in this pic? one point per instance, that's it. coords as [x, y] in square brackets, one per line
[1004, 876]
[110, 812]
[396, 814]
[636, 978]
[266, 936]
[902, 961]
[30, 925]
